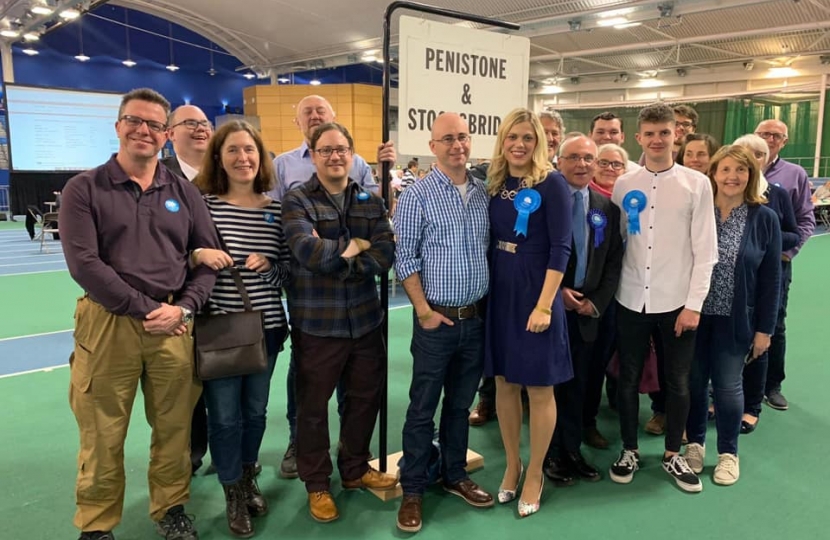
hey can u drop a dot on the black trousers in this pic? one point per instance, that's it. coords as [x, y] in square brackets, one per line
[570, 396]
[778, 345]
[198, 433]
[603, 350]
[633, 332]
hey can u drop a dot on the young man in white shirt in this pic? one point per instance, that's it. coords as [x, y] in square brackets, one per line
[668, 214]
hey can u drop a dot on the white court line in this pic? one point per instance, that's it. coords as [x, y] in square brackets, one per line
[33, 273]
[7, 375]
[35, 256]
[36, 335]
[31, 263]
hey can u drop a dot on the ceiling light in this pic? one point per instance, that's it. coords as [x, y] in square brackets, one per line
[128, 63]
[681, 72]
[31, 36]
[42, 10]
[552, 89]
[626, 25]
[575, 25]
[30, 51]
[82, 57]
[782, 72]
[172, 67]
[574, 80]
[622, 77]
[665, 10]
[283, 80]
[613, 21]
[314, 82]
[9, 33]
[749, 65]
[249, 76]
[371, 58]
[211, 72]
[650, 83]
[70, 14]
[824, 60]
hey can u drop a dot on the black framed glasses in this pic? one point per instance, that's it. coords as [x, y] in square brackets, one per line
[136, 121]
[327, 151]
[777, 137]
[449, 140]
[615, 165]
[193, 125]
[686, 125]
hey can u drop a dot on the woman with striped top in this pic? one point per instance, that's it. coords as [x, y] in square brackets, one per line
[235, 176]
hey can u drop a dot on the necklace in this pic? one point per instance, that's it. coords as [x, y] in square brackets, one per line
[511, 194]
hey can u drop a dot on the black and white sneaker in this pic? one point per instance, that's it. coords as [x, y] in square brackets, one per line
[622, 471]
[686, 479]
[97, 535]
[176, 525]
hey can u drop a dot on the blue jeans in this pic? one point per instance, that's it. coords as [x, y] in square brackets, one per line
[236, 414]
[715, 359]
[291, 398]
[448, 359]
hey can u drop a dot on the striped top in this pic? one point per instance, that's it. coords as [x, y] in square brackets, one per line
[246, 231]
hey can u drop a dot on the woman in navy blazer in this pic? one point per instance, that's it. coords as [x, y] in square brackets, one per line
[738, 316]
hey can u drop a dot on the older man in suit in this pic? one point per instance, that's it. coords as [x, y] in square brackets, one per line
[588, 288]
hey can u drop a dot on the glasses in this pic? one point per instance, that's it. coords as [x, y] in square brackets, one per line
[327, 151]
[135, 122]
[575, 159]
[685, 125]
[616, 165]
[193, 125]
[449, 140]
[777, 137]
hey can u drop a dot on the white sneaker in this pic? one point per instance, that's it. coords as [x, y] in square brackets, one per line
[695, 454]
[728, 470]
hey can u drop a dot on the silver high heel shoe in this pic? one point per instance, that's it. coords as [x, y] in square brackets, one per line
[526, 509]
[507, 495]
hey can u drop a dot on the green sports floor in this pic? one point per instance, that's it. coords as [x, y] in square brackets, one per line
[784, 490]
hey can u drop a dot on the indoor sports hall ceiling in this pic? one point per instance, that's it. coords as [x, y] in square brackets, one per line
[572, 41]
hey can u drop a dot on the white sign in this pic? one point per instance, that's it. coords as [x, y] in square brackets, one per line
[478, 74]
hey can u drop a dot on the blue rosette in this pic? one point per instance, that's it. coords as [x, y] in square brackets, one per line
[634, 202]
[597, 221]
[526, 202]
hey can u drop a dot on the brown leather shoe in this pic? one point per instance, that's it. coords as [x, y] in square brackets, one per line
[322, 507]
[594, 438]
[372, 479]
[471, 493]
[482, 413]
[409, 514]
[656, 425]
[239, 520]
[257, 505]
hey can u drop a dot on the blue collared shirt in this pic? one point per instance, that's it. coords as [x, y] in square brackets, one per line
[295, 167]
[444, 239]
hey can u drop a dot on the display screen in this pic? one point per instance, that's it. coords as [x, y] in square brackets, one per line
[56, 130]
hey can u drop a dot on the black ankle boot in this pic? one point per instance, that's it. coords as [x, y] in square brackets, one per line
[239, 520]
[257, 505]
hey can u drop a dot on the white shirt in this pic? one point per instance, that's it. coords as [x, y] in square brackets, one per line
[669, 264]
[189, 172]
[632, 166]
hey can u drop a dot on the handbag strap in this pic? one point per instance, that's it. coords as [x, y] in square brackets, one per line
[237, 277]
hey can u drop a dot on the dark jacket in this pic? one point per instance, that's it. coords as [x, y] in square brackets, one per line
[172, 163]
[604, 265]
[757, 279]
[782, 205]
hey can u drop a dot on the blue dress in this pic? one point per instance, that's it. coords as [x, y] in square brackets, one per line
[522, 357]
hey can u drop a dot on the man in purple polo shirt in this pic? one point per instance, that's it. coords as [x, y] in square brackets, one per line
[792, 178]
[128, 227]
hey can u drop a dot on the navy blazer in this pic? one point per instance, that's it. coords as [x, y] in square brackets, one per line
[757, 279]
[782, 205]
[172, 163]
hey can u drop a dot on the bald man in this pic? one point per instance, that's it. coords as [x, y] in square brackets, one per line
[443, 235]
[793, 179]
[294, 168]
[189, 130]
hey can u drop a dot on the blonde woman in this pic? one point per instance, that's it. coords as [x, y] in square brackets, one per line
[527, 338]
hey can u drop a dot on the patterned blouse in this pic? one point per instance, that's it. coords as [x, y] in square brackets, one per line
[722, 288]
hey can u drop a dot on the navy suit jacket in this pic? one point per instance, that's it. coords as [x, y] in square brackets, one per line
[172, 163]
[604, 265]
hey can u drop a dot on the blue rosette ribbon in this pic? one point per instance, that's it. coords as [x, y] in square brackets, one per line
[526, 202]
[634, 202]
[598, 221]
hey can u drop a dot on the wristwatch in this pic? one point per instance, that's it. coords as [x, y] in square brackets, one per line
[187, 315]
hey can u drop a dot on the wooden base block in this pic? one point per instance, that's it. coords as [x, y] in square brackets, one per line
[475, 461]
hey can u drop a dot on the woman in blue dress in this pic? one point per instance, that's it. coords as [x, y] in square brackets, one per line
[527, 338]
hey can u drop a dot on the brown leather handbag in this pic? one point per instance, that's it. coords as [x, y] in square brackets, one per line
[230, 344]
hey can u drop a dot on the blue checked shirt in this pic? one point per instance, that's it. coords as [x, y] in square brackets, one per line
[294, 168]
[444, 239]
